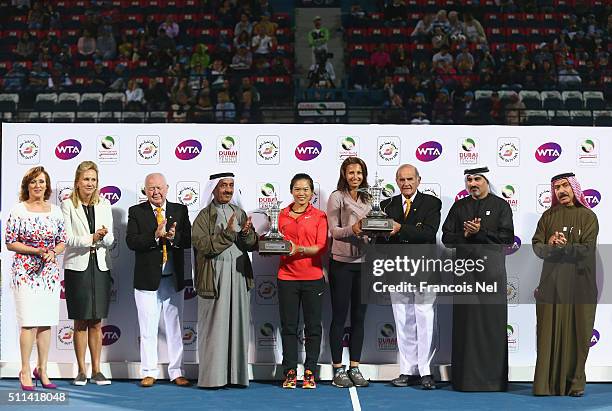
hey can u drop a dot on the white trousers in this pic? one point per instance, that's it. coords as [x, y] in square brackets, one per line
[167, 303]
[415, 322]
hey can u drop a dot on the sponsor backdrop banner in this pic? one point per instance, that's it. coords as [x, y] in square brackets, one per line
[264, 158]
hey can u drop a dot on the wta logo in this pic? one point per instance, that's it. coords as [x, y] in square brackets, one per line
[111, 193]
[429, 151]
[548, 152]
[594, 338]
[514, 247]
[188, 150]
[110, 334]
[593, 197]
[308, 150]
[68, 149]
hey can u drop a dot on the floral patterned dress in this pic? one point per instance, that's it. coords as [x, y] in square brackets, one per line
[36, 284]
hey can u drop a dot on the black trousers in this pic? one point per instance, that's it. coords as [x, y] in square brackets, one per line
[345, 287]
[308, 294]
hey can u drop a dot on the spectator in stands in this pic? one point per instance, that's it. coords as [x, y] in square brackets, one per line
[166, 49]
[546, 75]
[36, 16]
[358, 16]
[226, 15]
[100, 78]
[442, 112]
[506, 6]
[442, 22]
[106, 46]
[465, 111]
[380, 61]
[399, 55]
[26, 48]
[15, 79]
[196, 74]
[170, 27]
[568, 77]
[495, 109]
[59, 79]
[202, 112]
[225, 110]
[473, 29]
[246, 85]
[486, 61]
[242, 39]
[403, 68]
[424, 27]
[262, 43]
[392, 97]
[134, 96]
[156, 96]
[119, 77]
[515, 110]
[262, 7]
[439, 38]
[246, 107]
[318, 38]
[151, 26]
[38, 78]
[268, 26]
[395, 13]
[243, 25]
[242, 60]
[21, 4]
[543, 54]
[278, 67]
[455, 28]
[464, 61]
[200, 56]
[52, 18]
[442, 55]
[418, 109]
[182, 57]
[218, 71]
[86, 45]
[181, 99]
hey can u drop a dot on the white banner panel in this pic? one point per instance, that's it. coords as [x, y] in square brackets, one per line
[264, 158]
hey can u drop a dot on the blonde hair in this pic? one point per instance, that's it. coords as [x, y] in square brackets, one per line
[83, 167]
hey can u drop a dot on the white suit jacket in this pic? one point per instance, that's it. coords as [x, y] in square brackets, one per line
[79, 239]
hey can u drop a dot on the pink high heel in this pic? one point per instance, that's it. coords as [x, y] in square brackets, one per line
[49, 386]
[25, 387]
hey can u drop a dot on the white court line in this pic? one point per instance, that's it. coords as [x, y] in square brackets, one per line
[355, 399]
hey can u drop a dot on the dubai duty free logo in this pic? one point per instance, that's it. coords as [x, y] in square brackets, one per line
[308, 150]
[68, 149]
[429, 151]
[508, 154]
[468, 151]
[548, 152]
[28, 149]
[227, 149]
[268, 149]
[147, 149]
[388, 150]
[188, 149]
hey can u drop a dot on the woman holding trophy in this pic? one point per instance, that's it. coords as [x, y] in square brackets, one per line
[346, 208]
[300, 279]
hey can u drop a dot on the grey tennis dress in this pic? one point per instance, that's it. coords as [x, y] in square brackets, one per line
[88, 292]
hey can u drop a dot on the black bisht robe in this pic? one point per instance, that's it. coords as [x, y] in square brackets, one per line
[480, 343]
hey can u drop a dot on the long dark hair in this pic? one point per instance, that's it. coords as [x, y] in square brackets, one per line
[343, 183]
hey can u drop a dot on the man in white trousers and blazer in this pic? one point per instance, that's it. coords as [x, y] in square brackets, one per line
[158, 232]
[416, 221]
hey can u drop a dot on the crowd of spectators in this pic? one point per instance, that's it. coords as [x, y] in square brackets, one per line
[429, 64]
[160, 60]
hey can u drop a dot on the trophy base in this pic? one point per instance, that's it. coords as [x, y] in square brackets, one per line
[377, 225]
[274, 247]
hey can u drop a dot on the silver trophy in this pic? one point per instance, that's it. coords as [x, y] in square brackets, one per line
[273, 242]
[376, 222]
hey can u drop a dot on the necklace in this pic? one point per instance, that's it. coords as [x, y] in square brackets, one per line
[297, 212]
